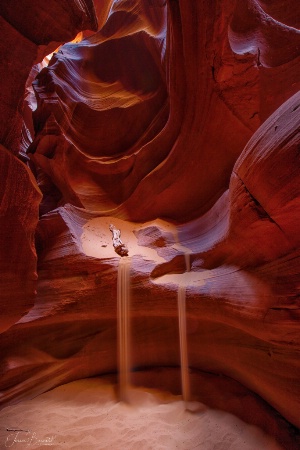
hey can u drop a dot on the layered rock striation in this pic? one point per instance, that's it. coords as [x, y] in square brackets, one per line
[182, 111]
[28, 34]
[160, 94]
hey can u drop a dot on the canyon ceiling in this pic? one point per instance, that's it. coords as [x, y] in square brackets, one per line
[178, 121]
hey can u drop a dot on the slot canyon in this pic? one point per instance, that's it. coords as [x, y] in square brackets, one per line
[175, 123]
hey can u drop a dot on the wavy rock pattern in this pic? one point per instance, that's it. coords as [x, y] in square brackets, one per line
[143, 117]
[186, 111]
[28, 33]
[18, 221]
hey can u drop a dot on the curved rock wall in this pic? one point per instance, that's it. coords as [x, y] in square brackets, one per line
[159, 97]
[28, 33]
[186, 111]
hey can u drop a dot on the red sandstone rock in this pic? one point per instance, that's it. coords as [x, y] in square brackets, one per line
[20, 198]
[216, 97]
[28, 33]
[264, 194]
[142, 120]
[249, 297]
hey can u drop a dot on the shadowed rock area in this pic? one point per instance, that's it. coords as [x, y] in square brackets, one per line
[177, 122]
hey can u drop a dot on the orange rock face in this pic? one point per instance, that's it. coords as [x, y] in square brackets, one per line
[20, 198]
[28, 34]
[160, 103]
[182, 111]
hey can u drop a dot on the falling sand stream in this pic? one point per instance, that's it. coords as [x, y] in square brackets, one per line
[185, 382]
[123, 299]
[87, 414]
[123, 317]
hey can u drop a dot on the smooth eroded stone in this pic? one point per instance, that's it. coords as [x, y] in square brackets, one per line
[19, 203]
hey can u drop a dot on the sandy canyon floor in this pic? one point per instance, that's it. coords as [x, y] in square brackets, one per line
[86, 415]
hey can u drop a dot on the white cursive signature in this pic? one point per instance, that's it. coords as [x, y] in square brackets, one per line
[28, 439]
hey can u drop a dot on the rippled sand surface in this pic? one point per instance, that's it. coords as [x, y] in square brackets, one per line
[86, 415]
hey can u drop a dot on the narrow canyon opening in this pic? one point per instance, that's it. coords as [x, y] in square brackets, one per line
[149, 210]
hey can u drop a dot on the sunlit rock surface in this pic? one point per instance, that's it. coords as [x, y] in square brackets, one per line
[28, 33]
[187, 112]
[148, 94]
